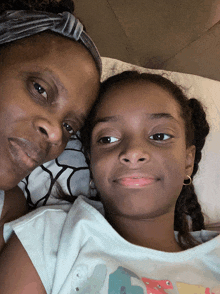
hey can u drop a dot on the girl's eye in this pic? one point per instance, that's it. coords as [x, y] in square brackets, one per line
[68, 128]
[107, 140]
[160, 137]
[40, 90]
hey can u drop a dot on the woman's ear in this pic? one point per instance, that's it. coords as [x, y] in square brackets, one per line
[190, 157]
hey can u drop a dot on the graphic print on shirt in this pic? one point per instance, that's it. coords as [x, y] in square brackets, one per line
[157, 286]
[120, 282]
[124, 281]
[93, 284]
[195, 289]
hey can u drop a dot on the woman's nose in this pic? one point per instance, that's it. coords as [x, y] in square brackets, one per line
[52, 132]
[135, 154]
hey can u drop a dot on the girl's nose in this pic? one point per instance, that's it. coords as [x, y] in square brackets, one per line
[135, 155]
[52, 132]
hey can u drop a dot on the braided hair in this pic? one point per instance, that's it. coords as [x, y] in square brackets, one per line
[187, 203]
[196, 130]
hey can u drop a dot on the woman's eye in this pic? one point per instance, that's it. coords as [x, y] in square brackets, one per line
[68, 128]
[160, 137]
[40, 90]
[107, 140]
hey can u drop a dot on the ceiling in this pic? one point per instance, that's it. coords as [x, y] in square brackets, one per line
[181, 36]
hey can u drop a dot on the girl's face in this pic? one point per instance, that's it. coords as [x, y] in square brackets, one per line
[139, 158]
[47, 86]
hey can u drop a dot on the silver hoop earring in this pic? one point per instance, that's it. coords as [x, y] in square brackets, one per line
[188, 181]
[92, 188]
[91, 184]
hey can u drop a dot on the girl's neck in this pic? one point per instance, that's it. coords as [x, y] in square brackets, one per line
[155, 233]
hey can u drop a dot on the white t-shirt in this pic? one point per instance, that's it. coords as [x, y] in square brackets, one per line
[75, 250]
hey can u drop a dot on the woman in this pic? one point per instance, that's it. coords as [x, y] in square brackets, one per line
[49, 79]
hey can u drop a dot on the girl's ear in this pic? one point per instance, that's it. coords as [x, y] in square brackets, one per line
[190, 157]
[90, 168]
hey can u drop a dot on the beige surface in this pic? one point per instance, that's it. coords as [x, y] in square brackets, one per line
[173, 35]
[201, 56]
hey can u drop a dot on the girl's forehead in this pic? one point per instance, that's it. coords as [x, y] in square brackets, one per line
[138, 96]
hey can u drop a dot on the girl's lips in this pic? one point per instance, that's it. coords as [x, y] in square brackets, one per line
[135, 182]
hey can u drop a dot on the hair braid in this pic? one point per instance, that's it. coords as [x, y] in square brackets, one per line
[187, 203]
[201, 129]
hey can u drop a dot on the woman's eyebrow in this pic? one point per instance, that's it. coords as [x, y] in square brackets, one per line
[55, 79]
[41, 72]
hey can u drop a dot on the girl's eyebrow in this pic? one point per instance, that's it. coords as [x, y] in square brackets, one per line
[162, 115]
[151, 116]
[113, 118]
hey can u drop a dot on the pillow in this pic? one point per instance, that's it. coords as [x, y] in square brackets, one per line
[71, 172]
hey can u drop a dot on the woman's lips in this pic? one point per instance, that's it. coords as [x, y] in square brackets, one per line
[25, 154]
[135, 182]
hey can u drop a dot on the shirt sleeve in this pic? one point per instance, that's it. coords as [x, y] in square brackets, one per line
[39, 233]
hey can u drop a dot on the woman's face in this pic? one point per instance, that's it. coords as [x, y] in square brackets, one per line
[139, 158]
[47, 86]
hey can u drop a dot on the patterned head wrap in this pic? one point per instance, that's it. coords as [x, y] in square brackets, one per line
[18, 24]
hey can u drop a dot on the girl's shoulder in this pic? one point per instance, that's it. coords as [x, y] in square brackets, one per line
[204, 235]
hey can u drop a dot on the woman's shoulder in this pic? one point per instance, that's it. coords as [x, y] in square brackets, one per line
[45, 216]
[52, 216]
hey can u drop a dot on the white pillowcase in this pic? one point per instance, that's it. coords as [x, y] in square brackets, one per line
[72, 173]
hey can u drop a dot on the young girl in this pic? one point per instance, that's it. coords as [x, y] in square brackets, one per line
[49, 79]
[143, 139]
